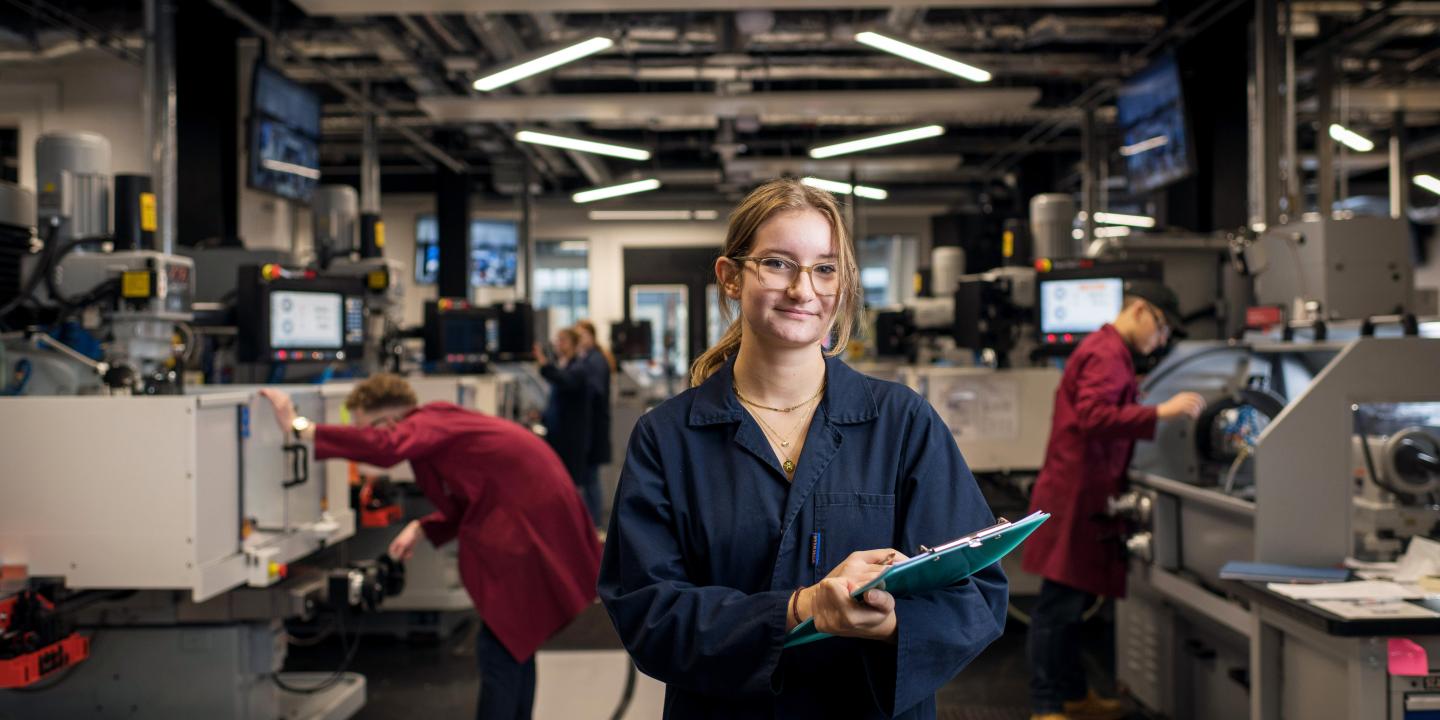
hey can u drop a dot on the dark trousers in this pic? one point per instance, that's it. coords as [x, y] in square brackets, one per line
[591, 493]
[507, 687]
[1054, 647]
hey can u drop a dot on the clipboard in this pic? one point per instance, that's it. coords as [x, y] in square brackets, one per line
[939, 567]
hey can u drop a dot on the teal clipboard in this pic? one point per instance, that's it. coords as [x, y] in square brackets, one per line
[939, 567]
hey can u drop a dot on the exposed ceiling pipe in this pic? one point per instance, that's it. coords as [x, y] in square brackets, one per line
[343, 88]
[438, 26]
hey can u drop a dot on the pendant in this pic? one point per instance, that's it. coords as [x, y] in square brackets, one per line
[784, 443]
[789, 466]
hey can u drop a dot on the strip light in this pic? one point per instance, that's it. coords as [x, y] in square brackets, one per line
[1118, 231]
[871, 142]
[610, 191]
[582, 145]
[1429, 182]
[1139, 221]
[308, 173]
[922, 56]
[1145, 146]
[543, 63]
[840, 188]
[1351, 139]
[674, 215]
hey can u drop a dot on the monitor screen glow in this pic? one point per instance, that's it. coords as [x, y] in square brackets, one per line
[306, 320]
[1079, 306]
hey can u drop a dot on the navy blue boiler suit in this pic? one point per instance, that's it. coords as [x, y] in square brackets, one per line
[707, 542]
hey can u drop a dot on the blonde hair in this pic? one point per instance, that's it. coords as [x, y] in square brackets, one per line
[380, 392]
[765, 202]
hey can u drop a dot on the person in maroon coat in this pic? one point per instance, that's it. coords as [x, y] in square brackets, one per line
[529, 555]
[1079, 554]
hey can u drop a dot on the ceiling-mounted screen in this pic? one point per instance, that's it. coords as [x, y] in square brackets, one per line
[284, 142]
[1155, 138]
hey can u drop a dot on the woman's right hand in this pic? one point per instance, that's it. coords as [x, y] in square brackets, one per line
[402, 548]
[836, 613]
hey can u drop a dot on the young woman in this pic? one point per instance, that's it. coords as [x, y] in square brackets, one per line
[779, 482]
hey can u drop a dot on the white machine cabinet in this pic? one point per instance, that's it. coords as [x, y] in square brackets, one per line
[192, 492]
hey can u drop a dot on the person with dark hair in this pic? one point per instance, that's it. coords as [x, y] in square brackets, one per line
[569, 410]
[529, 555]
[598, 366]
[778, 484]
[1079, 551]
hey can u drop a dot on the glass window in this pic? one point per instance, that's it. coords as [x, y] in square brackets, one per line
[562, 280]
[668, 312]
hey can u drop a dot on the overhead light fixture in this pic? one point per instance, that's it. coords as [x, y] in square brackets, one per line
[870, 142]
[922, 56]
[1114, 231]
[582, 145]
[1351, 139]
[1145, 146]
[1429, 182]
[672, 215]
[610, 191]
[543, 63]
[1139, 221]
[308, 173]
[840, 188]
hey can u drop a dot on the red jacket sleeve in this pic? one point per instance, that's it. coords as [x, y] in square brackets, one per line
[381, 447]
[1099, 407]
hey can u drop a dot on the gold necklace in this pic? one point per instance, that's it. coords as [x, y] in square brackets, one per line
[774, 436]
[748, 401]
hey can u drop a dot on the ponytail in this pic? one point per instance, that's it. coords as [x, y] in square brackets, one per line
[711, 360]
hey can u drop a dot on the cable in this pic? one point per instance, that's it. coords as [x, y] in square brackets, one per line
[628, 694]
[336, 676]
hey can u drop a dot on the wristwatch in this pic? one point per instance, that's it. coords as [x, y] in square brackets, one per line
[300, 425]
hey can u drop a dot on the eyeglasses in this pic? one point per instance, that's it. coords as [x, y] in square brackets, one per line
[1159, 318]
[777, 273]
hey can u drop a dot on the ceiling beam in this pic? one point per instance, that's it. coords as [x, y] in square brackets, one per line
[388, 7]
[939, 105]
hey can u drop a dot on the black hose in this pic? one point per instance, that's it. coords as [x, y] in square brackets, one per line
[628, 694]
[335, 677]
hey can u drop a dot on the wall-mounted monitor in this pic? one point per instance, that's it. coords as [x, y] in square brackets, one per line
[284, 140]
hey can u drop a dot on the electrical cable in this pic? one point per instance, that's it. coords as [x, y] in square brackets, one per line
[335, 677]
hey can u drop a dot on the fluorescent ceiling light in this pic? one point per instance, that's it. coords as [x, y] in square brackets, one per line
[840, 188]
[1144, 146]
[1429, 182]
[1112, 232]
[543, 63]
[610, 191]
[582, 145]
[871, 142]
[922, 56]
[308, 173]
[1139, 221]
[1351, 139]
[678, 215]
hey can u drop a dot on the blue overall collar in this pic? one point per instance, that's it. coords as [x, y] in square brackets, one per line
[848, 399]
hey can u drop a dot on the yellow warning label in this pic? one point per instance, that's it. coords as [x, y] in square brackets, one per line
[135, 284]
[379, 234]
[147, 212]
[378, 280]
[1007, 246]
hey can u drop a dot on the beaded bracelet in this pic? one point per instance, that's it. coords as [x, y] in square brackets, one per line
[795, 604]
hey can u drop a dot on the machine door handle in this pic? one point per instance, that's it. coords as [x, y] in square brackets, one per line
[298, 457]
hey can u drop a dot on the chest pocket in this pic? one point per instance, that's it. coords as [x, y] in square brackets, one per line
[852, 521]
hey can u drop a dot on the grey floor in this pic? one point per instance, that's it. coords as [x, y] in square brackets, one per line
[436, 677]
